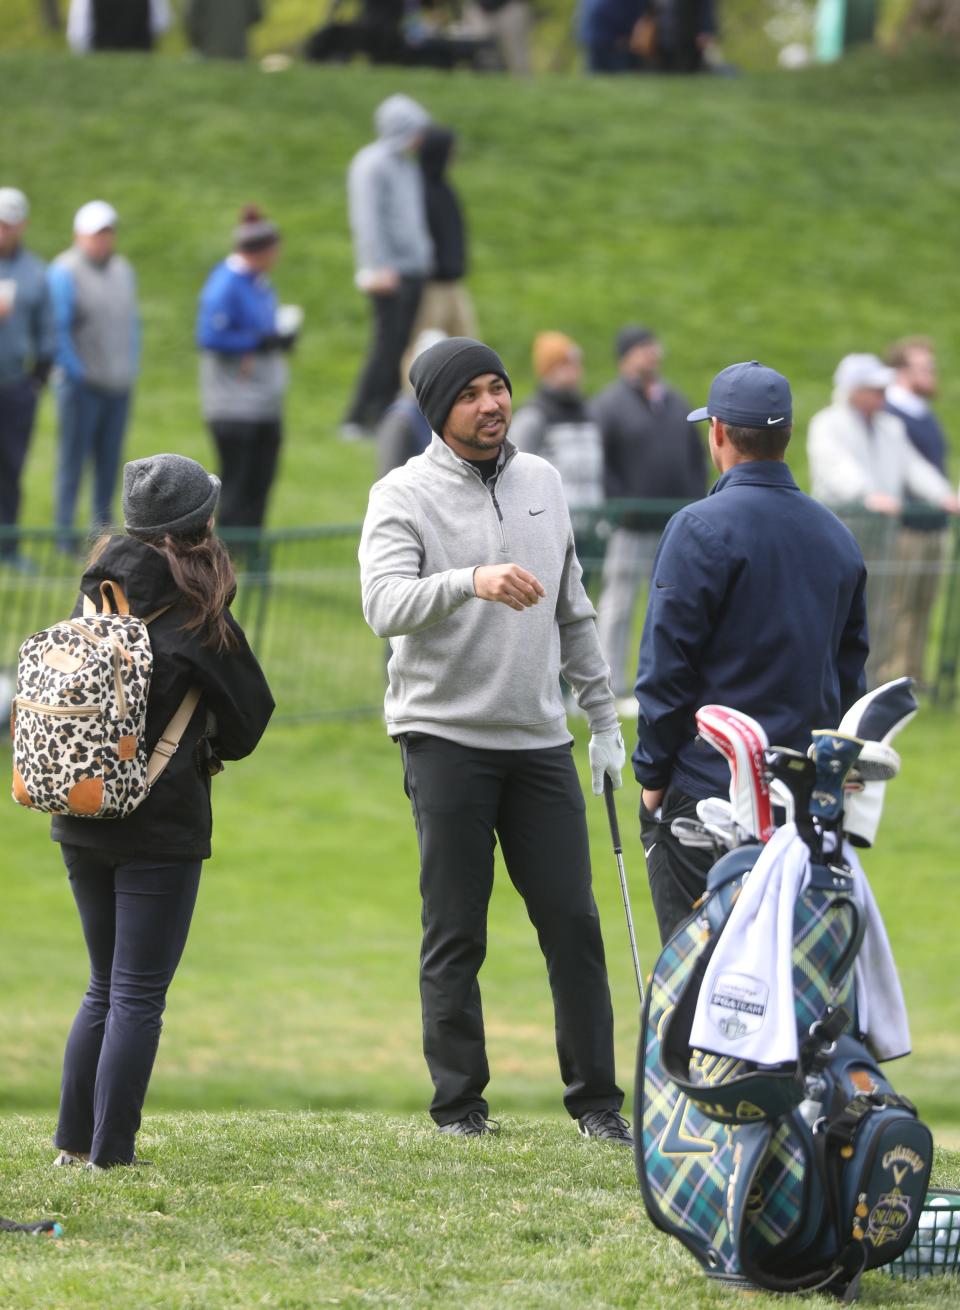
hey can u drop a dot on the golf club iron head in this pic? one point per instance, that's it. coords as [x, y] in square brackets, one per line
[693, 833]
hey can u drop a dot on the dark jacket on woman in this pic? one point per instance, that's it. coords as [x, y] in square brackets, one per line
[174, 822]
[444, 212]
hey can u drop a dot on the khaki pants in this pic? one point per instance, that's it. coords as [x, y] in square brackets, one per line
[445, 307]
[511, 26]
[918, 567]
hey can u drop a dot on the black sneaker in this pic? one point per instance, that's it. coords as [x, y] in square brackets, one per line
[474, 1124]
[606, 1125]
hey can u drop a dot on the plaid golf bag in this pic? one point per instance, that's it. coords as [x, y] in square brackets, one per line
[790, 1177]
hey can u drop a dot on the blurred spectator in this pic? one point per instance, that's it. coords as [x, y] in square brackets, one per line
[608, 30]
[218, 29]
[393, 252]
[650, 452]
[94, 295]
[923, 539]
[403, 431]
[683, 35]
[27, 346]
[510, 22]
[243, 338]
[861, 455]
[445, 305]
[555, 424]
[116, 24]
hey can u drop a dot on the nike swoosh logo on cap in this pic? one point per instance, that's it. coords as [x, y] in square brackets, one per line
[771, 421]
[534, 512]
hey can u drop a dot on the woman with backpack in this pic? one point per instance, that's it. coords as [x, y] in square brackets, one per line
[135, 878]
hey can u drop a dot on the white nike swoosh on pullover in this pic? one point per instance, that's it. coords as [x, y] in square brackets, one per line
[475, 671]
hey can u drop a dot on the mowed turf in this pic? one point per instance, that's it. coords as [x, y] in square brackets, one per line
[794, 219]
[299, 984]
[296, 1211]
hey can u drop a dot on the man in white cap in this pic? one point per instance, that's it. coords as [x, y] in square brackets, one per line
[26, 354]
[861, 458]
[98, 351]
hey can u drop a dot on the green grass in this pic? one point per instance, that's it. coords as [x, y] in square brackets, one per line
[299, 1211]
[790, 218]
[299, 984]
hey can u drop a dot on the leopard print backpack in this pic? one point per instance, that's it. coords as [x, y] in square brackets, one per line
[79, 715]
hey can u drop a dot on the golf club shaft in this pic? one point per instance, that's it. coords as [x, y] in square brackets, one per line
[624, 890]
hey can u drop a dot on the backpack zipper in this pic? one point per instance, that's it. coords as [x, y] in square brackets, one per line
[118, 681]
[92, 637]
[67, 710]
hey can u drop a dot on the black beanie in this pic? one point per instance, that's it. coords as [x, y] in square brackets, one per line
[632, 335]
[441, 373]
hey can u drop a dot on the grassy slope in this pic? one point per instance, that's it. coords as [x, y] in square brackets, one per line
[301, 1211]
[793, 218]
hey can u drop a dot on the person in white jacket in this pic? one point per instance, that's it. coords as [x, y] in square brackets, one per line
[862, 459]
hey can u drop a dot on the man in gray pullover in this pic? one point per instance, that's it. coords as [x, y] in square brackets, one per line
[393, 251]
[468, 566]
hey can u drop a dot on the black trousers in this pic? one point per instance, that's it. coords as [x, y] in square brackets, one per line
[18, 404]
[464, 799]
[677, 874]
[249, 453]
[135, 915]
[379, 381]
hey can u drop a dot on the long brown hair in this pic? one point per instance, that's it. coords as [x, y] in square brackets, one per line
[203, 572]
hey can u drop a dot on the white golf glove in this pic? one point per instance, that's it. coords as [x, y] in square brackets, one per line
[607, 754]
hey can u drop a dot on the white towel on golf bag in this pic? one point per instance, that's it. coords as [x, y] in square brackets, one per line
[746, 1003]
[881, 1010]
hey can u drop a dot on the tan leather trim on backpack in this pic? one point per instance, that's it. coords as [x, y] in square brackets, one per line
[20, 793]
[86, 796]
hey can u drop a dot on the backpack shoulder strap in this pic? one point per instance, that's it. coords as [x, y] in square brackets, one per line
[166, 747]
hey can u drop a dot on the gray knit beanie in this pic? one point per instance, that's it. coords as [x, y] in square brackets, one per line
[167, 494]
[441, 373]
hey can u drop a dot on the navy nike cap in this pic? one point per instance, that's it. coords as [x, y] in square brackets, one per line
[748, 396]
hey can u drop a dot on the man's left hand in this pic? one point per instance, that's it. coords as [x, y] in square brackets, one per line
[607, 754]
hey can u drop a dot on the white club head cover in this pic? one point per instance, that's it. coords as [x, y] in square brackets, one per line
[877, 718]
[742, 741]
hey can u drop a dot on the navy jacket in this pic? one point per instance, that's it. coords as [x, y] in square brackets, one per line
[756, 602]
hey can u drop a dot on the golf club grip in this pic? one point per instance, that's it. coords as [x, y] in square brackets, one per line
[611, 812]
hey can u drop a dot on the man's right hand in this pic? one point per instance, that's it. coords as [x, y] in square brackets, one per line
[882, 503]
[508, 583]
[383, 282]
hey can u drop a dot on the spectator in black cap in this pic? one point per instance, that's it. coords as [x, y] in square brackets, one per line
[757, 603]
[244, 338]
[135, 878]
[650, 452]
[468, 567]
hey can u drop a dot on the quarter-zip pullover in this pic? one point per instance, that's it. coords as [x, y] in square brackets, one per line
[473, 671]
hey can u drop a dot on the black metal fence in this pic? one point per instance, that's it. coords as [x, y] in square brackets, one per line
[298, 600]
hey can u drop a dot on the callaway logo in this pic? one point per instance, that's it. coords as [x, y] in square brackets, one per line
[771, 421]
[534, 512]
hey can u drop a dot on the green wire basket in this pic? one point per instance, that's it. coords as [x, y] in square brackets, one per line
[935, 1248]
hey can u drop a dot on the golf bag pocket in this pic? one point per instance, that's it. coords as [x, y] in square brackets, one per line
[874, 1154]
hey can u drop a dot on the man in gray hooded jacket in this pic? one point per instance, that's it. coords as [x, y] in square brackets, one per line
[468, 566]
[392, 248]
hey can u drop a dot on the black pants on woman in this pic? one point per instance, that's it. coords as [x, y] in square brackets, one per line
[249, 453]
[135, 916]
[464, 799]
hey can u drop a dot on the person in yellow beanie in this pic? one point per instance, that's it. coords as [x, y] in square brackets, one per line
[555, 424]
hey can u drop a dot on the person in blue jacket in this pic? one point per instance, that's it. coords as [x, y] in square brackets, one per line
[243, 369]
[757, 602]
